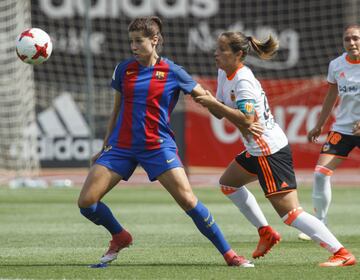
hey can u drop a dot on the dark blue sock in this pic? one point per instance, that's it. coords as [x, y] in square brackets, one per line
[207, 226]
[100, 214]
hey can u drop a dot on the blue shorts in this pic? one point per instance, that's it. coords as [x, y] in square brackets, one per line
[124, 161]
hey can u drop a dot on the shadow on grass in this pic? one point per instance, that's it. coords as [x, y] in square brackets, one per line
[118, 265]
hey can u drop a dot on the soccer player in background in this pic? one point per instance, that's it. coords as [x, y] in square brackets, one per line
[147, 89]
[241, 99]
[344, 84]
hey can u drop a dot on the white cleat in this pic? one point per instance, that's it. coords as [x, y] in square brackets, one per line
[108, 258]
[247, 264]
[304, 237]
[240, 261]
[119, 242]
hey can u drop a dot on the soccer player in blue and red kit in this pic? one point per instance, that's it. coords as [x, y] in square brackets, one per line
[147, 88]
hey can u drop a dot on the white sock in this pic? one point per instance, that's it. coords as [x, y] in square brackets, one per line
[321, 192]
[247, 204]
[314, 228]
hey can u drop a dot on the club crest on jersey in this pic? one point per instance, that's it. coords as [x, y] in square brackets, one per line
[160, 75]
[232, 96]
[342, 74]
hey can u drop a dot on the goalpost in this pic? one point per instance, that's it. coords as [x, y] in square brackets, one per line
[18, 155]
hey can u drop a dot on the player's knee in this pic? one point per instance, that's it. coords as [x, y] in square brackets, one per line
[226, 190]
[82, 203]
[85, 201]
[225, 186]
[187, 201]
[223, 181]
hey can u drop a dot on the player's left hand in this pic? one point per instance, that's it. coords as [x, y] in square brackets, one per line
[256, 129]
[356, 128]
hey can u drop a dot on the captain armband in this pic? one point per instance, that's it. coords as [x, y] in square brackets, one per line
[246, 106]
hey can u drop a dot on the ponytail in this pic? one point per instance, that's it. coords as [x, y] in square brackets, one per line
[265, 50]
[239, 42]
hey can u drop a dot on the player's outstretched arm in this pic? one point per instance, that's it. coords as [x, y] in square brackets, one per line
[244, 122]
[200, 91]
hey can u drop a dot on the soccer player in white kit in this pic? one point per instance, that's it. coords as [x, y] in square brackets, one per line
[241, 99]
[344, 84]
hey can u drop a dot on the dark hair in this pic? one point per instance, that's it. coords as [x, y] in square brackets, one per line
[150, 26]
[239, 42]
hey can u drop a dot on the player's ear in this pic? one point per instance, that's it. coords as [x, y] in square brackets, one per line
[155, 40]
[239, 54]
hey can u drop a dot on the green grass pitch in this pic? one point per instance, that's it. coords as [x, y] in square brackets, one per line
[43, 236]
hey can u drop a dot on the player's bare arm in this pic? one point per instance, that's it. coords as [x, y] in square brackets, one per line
[200, 91]
[244, 122]
[328, 106]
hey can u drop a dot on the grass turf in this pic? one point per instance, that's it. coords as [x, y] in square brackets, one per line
[43, 236]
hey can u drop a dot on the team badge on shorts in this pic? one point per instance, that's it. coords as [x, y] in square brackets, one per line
[326, 147]
[107, 148]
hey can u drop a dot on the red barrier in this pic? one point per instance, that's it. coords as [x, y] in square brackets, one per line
[295, 105]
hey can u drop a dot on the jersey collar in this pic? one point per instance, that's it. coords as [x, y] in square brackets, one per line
[230, 77]
[348, 59]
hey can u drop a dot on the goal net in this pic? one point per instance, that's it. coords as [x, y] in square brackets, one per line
[18, 144]
[310, 35]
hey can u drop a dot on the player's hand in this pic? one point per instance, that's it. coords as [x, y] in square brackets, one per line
[256, 129]
[207, 100]
[314, 134]
[356, 128]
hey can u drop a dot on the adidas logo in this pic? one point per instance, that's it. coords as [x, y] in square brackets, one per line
[62, 132]
[63, 119]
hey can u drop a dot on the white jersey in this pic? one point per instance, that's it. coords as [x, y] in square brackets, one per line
[346, 74]
[243, 85]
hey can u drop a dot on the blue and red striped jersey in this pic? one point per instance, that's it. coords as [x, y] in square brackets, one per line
[148, 96]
